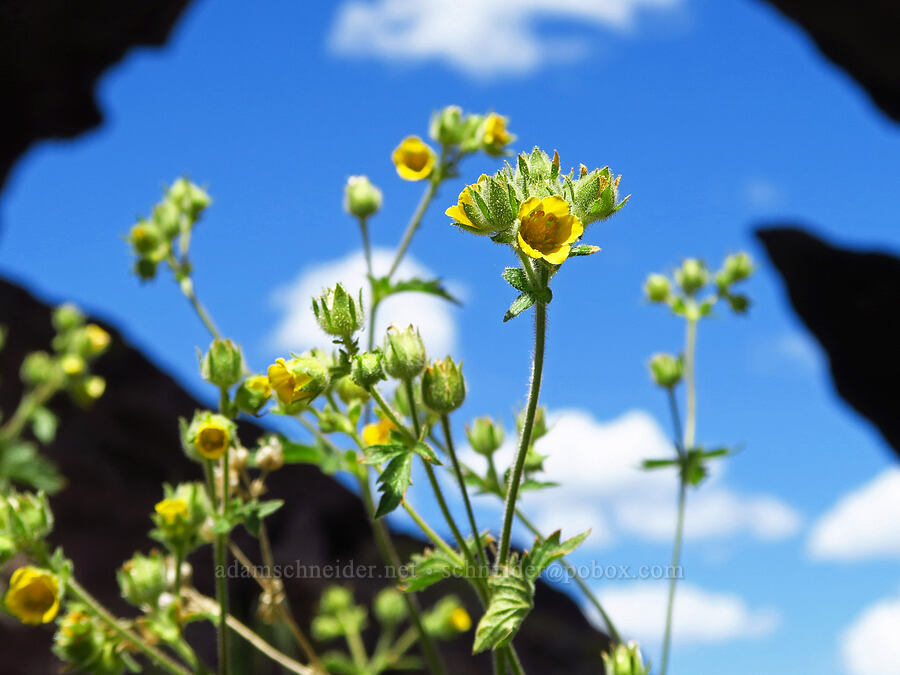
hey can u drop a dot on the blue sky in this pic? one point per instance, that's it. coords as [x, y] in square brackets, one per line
[719, 115]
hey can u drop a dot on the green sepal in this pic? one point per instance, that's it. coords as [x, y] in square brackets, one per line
[583, 249]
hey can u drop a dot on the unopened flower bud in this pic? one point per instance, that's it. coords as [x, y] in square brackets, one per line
[361, 198]
[145, 238]
[443, 386]
[447, 125]
[145, 268]
[97, 339]
[338, 313]
[367, 369]
[142, 579]
[223, 364]
[335, 599]
[253, 394]
[657, 288]
[349, 391]
[72, 365]
[404, 353]
[389, 607]
[270, 457]
[666, 370]
[485, 436]
[737, 267]
[38, 368]
[447, 619]
[67, 317]
[692, 276]
[257, 488]
[239, 458]
[625, 660]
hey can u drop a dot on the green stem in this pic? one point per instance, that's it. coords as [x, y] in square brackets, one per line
[457, 469]
[367, 246]
[677, 433]
[29, 403]
[690, 382]
[676, 558]
[512, 492]
[220, 580]
[390, 556]
[357, 649]
[155, 655]
[589, 594]
[187, 287]
[414, 223]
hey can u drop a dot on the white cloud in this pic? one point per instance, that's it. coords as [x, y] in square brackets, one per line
[597, 465]
[794, 351]
[479, 37]
[700, 616]
[762, 193]
[861, 525]
[297, 330]
[869, 646]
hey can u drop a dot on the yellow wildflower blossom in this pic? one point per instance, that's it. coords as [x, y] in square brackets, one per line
[33, 595]
[378, 433]
[98, 339]
[413, 158]
[212, 438]
[495, 133]
[458, 212]
[287, 383]
[72, 364]
[547, 229]
[172, 510]
[460, 619]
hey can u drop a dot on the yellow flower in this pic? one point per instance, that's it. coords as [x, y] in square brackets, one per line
[460, 619]
[33, 595]
[286, 383]
[378, 434]
[413, 158]
[172, 510]
[495, 133]
[547, 229]
[98, 339]
[72, 364]
[212, 438]
[458, 212]
[259, 384]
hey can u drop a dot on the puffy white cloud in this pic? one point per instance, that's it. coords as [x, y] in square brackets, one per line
[297, 329]
[602, 485]
[700, 615]
[869, 646]
[860, 525]
[479, 37]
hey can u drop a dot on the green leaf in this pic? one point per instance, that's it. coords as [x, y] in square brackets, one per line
[650, 464]
[383, 287]
[393, 481]
[22, 463]
[43, 424]
[532, 484]
[300, 453]
[429, 568]
[545, 552]
[512, 597]
[583, 249]
[426, 452]
[517, 278]
[379, 454]
[519, 305]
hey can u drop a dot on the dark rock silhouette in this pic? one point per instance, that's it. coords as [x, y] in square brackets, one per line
[850, 301]
[860, 37]
[52, 53]
[116, 455]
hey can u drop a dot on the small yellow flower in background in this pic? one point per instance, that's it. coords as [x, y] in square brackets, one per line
[259, 384]
[378, 433]
[287, 384]
[72, 364]
[460, 619]
[94, 387]
[212, 438]
[413, 158]
[495, 133]
[458, 212]
[172, 510]
[75, 623]
[33, 595]
[98, 339]
[547, 229]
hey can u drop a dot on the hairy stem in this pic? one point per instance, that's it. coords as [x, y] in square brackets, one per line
[414, 222]
[457, 469]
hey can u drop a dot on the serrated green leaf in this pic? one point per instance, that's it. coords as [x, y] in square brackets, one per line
[383, 287]
[512, 597]
[516, 277]
[547, 551]
[392, 483]
[427, 453]
[519, 305]
[378, 454]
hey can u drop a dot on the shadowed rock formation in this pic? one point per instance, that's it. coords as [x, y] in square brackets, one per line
[860, 37]
[850, 301]
[115, 457]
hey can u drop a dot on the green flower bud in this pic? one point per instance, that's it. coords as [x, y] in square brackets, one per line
[326, 627]
[692, 276]
[404, 353]
[26, 517]
[85, 646]
[143, 579]
[145, 269]
[539, 428]
[485, 436]
[389, 607]
[361, 198]
[657, 288]
[253, 394]
[167, 217]
[180, 516]
[625, 660]
[335, 599]
[737, 267]
[298, 381]
[188, 197]
[443, 386]
[145, 238]
[39, 368]
[447, 619]
[67, 317]
[447, 126]
[666, 370]
[366, 370]
[349, 391]
[223, 364]
[338, 313]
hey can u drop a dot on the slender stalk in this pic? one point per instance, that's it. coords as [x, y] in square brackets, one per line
[512, 491]
[155, 655]
[690, 424]
[221, 582]
[390, 556]
[30, 401]
[187, 288]
[415, 221]
[589, 594]
[367, 246]
[676, 559]
[451, 452]
[677, 432]
[357, 649]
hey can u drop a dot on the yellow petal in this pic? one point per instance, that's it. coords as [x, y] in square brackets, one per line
[556, 206]
[558, 257]
[529, 205]
[527, 250]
